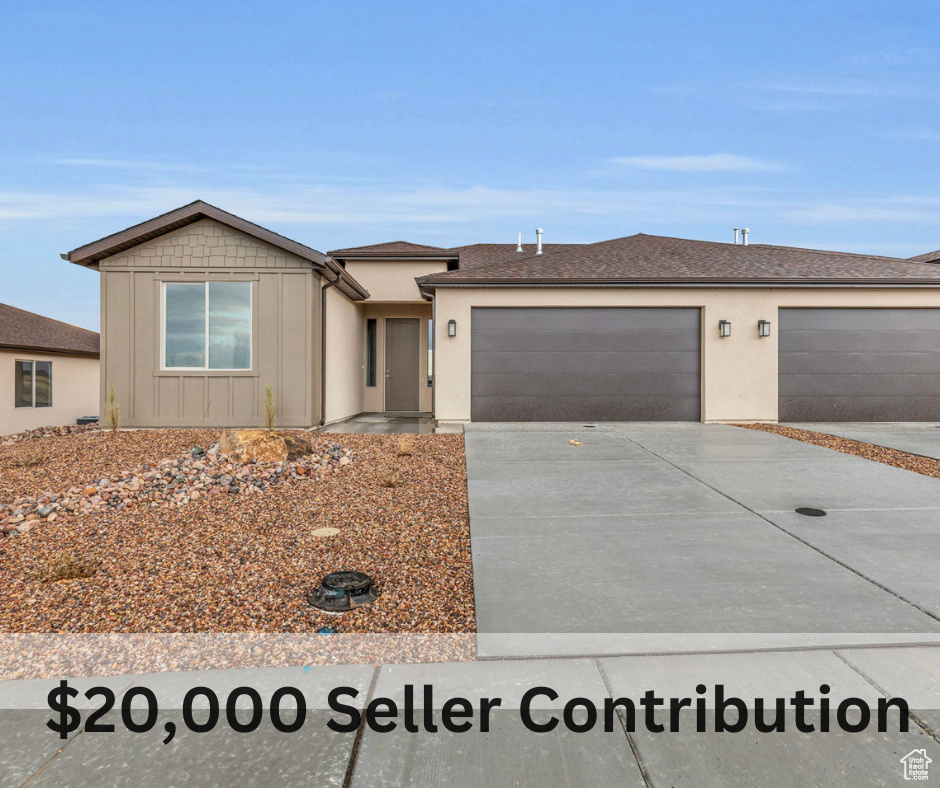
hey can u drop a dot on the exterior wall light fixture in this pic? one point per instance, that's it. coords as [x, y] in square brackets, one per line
[451, 328]
[724, 328]
[763, 328]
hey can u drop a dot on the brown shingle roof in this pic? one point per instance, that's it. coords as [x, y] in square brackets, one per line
[478, 255]
[392, 248]
[648, 258]
[22, 330]
[929, 257]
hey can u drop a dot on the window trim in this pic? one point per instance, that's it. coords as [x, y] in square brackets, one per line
[205, 286]
[432, 356]
[372, 351]
[32, 374]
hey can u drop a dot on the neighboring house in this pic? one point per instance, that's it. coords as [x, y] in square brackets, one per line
[48, 371]
[201, 310]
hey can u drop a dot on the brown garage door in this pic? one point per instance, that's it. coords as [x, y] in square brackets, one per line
[585, 364]
[859, 365]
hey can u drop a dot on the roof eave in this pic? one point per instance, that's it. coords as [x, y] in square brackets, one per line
[431, 284]
[90, 254]
[398, 257]
[50, 351]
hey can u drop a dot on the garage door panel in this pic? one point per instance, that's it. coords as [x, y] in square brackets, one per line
[581, 408]
[598, 364]
[859, 365]
[874, 341]
[584, 318]
[661, 362]
[583, 340]
[859, 385]
[565, 385]
[860, 320]
[809, 409]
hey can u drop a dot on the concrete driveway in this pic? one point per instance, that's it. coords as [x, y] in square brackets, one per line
[658, 538]
[919, 438]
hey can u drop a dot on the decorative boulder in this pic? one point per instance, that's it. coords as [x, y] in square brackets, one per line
[262, 446]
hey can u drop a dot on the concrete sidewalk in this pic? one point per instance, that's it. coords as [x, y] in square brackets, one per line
[509, 754]
[649, 538]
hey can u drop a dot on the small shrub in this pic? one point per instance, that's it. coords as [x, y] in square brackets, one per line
[389, 481]
[27, 455]
[65, 566]
[406, 446]
[112, 411]
[270, 408]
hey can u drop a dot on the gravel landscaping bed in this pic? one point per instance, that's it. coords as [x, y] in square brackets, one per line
[244, 563]
[899, 459]
[63, 461]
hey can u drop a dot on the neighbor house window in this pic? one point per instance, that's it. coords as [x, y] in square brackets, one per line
[371, 350]
[207, 325]
[33, 384]
[430, 352]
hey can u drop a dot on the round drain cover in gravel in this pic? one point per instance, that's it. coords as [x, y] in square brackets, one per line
[809, 511]
[326, 532]
[342, 591]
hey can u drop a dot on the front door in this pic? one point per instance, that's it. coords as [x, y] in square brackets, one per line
[401, 363]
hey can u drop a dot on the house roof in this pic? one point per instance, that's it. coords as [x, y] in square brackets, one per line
[22, 330]
[929, 257]
[651, 259]
[92, 253]
[394, 249]
[479, 255]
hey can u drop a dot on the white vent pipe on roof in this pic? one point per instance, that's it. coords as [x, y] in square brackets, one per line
[538, 241]
[744, 234]
[736, 231]
[519, 245]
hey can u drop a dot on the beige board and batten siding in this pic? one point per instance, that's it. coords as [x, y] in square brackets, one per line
[285, 332]
[739, 373]
[74, 391]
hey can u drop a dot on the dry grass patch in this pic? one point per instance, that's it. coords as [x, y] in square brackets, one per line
[28, 454]
[406, 446]
[65, 566]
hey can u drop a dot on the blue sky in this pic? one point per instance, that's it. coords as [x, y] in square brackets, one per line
[813, 123]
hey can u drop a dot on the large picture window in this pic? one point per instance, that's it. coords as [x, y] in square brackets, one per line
[207, 325]
[33, 384]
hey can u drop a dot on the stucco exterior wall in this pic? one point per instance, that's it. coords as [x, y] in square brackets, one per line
[373, 400]
[344, 357]
[739, 373]
[392, 280]
[285, 332]
[74, 392]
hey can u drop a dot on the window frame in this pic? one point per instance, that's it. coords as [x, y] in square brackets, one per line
[372, 352]
[205, 285]
[431, 354]
[32, 378]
